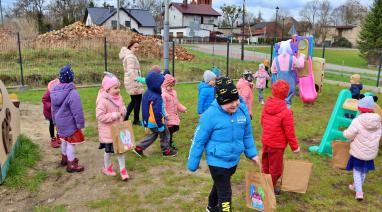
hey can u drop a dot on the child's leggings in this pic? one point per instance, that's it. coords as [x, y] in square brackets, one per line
[51, 128]
[359, 179]
[121, 160]
[261, 98]
[68, 150]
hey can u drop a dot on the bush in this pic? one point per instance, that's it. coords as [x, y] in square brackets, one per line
[342, 42]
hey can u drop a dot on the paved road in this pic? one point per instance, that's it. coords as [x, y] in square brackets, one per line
[235, 51]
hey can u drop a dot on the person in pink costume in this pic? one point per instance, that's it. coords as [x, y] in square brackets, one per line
[261, 80]
[110, 110]
[172, 106]
[283, 67]
[245, 88]
[47, 111]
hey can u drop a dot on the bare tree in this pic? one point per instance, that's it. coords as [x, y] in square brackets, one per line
[310, 12]
[31, 9]
[65, 12]
[350, 13]
[324, 11]
[231, 14]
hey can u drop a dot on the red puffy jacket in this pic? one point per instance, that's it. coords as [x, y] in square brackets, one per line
[278, 125]
[47, 111]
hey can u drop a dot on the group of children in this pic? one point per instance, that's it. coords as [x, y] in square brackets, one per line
[224, 131]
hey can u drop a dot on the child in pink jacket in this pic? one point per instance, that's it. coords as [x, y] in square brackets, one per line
[245, 88]
[172, 106]
[47, 111]
[261, 80]
[364, 134]
[110, 110]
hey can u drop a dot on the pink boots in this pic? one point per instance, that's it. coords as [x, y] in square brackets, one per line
[109, 171]
[124, 174]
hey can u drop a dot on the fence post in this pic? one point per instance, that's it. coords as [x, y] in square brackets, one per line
[173, 58]
[105, 52]
[227, 63]
[20, 60]
[379, 69]
[323, 50]
[270, 64]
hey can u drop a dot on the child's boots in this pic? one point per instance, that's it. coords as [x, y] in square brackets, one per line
[54, 142]
[109, 171]
[64, 160]
[74, 167]
[124, 175]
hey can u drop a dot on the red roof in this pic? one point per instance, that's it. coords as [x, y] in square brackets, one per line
[196, 9]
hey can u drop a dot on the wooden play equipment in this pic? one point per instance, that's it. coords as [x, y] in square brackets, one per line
[10, 128]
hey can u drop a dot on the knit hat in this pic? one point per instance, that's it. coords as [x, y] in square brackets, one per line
[366, 104]
[168, 80]
[355, 79]
[216, 71]
[280, 89]
[226, 91]
[66, 74]
[109, 80]
[208, 76]
[248, 75]
[261, 66]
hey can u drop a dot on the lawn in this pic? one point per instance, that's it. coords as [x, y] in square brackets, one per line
[345, 57]
[164, 184]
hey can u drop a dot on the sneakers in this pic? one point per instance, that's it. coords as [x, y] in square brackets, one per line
[139, 152]
[170, 152]
[74, 167]
[109, 171]
[359, 196]
[124, 174]
[262, 102]
[351, 187]
[277, 191]
[212, 209]
[55, 142]
[64, 160]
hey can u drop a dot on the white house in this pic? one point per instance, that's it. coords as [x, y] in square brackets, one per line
[137, 20]
[192, 20]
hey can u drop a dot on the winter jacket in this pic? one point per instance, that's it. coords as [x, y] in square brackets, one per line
[298, 62]
[364, 134]
[206, 96]
[246, 92]
[223, 136]
[278, 125]
[261, 78]
[132, 71]
[46, 103]
[107, 113]
[152, 104]
[171, 107]
[67, 113]
[355, 90]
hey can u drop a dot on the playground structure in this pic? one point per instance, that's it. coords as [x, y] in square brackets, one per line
[310, 78]
[340, 120]
[10, 128]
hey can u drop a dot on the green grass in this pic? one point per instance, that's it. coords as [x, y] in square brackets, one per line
[345, 57]
[164, 184]
[26, 156]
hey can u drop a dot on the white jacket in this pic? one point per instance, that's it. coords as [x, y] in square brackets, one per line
[364, 134]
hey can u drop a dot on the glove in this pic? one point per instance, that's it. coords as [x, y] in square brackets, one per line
[141, 80]
[161, 129]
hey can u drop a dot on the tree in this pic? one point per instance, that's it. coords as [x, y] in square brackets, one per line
[231, 13]
[33, 9]
[370, 37]
[350, 13]
[324, 11]
[309, 13]
[106, 5]
[259, 18]
[91, 3]
[65, 12]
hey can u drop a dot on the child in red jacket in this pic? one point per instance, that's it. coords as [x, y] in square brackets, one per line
[47, 111]
[278, 130]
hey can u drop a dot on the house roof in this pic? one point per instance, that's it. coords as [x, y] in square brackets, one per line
[100, 15]
[196, 9]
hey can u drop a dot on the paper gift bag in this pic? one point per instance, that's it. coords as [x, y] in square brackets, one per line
[123, 137]
[341, 155]
[296, 174]
[259, 191]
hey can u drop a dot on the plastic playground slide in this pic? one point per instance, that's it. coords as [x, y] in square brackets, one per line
[308, 93]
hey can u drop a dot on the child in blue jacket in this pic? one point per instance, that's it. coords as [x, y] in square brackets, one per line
[206, 91]
[224, 132]
[154, 117]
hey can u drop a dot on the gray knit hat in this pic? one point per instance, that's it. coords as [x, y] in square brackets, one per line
[208, 76]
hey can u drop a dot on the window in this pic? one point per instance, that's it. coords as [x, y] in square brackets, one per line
[171, 34]
[179, 34]
[127, 24]
[114, 24]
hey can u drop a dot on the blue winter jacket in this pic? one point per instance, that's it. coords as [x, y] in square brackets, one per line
[223, 137]
[206, 96]
[152, 103]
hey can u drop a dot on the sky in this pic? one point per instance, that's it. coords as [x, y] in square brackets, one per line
[267, 7]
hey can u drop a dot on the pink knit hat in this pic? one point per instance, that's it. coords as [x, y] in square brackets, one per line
[168, 80]
[53, 83]
[109, 80]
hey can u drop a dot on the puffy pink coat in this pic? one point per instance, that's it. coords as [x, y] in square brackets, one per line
[364, 134]
[261, 78]
[171, 107]
[107, 113]
[246, 92]
[132, 71]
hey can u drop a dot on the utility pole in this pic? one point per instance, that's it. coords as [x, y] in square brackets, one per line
[242, 32]
[118, 6]
[165, 37]
[1, 11]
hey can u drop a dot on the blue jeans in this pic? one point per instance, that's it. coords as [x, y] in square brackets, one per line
[261, 94]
